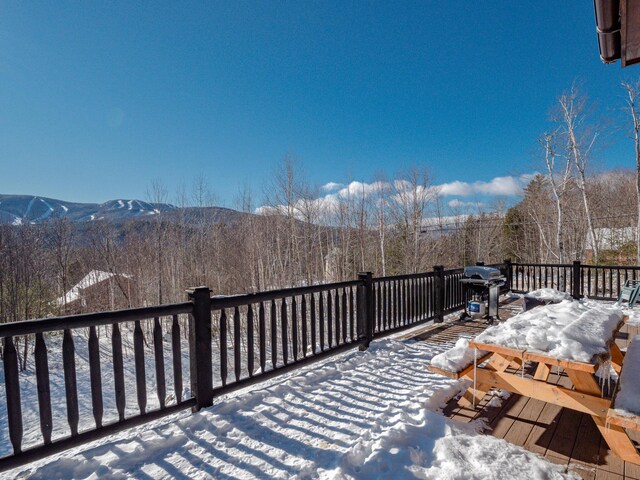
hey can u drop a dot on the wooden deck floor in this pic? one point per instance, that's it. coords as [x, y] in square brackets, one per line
[561, 435]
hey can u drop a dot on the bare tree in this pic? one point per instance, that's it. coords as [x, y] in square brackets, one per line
[559, 184]
[579, 144]
[633, 91]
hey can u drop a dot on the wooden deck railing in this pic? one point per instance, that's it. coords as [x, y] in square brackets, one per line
[599, 282]
[233, 342]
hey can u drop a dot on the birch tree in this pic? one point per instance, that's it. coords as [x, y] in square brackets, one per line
[559, 174]
[633, 90]
[579, 145]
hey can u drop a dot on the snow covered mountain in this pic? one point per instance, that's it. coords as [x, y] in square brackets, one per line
[20, 209]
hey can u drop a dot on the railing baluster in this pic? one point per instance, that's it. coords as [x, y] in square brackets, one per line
[95, 375]
[44, 389]
[344, 316]
[223, 347]
[410, 299]
[237, 370]
[329, 319]
[396, 304]
[294, 328]
[70, 382]
[351, 314]
[313, 322]
[336, 304]
[385, 305]
[321, 319]
[250, 346]
[392, 301]
[138, 353]
[378, 309]
[305, 332]
[284, 324]
[274, 335]
[118, 370]
[414, 291]
[263, 338]
[177, 358]
[158, 351]
[12, 388]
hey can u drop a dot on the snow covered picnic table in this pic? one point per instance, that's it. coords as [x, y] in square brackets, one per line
[575, 336]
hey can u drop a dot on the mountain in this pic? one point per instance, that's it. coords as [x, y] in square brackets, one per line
[20, 209]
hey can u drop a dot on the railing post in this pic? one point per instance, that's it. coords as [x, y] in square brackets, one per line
[576, 280]
[439, 292]
[200, 347]
[508, 272]
[365, 309]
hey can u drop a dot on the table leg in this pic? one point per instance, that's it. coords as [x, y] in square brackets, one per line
[616, 357]
[499, 362]
[472, 397]
[618, 441]
[542, 372]
[615, 436]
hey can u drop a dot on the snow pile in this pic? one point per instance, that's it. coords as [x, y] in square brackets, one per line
[458, 357]
[627, 401]
[548, 295]
[362, 415]
[569, 330]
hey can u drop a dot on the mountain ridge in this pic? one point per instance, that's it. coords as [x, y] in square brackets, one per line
[35, 209]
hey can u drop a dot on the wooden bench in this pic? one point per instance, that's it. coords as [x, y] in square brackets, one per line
[463, 371]
[460, 358]
[625, 404]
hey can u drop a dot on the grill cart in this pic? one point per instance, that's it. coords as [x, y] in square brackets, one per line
[484, 285]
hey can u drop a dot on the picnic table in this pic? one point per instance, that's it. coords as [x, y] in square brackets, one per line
[578, 337]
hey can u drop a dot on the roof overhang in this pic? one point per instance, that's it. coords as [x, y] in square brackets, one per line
[618, 30]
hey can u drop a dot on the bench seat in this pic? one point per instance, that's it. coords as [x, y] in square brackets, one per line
[625, 405]
[457, 361]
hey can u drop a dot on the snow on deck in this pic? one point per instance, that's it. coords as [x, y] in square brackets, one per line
[570, 330]
[548, 295]
[368, 414]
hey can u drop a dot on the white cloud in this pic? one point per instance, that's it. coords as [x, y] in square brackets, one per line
[402, 192]
[331, 186]
[455, 188]
[362, 189]
[455, 203]
[501, 186]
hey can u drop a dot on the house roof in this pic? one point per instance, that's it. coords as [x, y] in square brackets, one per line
[618, 30]
[92, 278]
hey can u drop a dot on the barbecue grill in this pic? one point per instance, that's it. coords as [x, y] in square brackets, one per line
[484, 284]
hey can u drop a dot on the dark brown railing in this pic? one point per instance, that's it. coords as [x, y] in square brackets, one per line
[233, 342]
[599, 282]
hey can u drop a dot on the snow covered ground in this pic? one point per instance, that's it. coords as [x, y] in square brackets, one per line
[369, 414]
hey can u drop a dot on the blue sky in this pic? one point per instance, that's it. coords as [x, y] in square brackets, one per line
[99, 99]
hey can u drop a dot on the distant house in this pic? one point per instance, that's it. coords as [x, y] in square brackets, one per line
[616, 245]
[98, 290]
